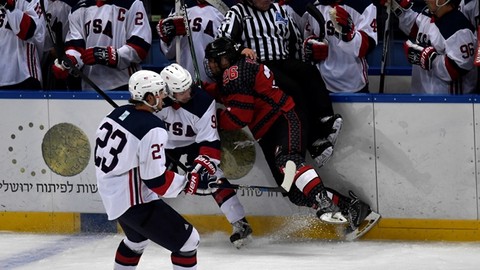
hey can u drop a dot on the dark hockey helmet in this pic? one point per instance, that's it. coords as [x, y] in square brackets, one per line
[221, 47]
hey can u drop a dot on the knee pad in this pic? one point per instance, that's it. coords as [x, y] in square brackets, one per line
[136, 247]
[192, 242]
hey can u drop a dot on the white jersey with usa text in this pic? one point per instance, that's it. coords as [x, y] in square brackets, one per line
[57, 12]
[130, 161]
[453, 38]
[22, 33]
[122, 24]
[193, 122]
[346, 69]
[204, 22]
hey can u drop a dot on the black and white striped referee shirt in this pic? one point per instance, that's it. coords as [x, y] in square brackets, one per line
[272, 34]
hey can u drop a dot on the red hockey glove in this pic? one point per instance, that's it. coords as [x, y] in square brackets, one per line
[199, 183]
[343, 23]
[171, 27]
[8, 4]
[61, 68]
[400, 6]
[314, 49]
[100, 55]
[203, 164]
[418, 55]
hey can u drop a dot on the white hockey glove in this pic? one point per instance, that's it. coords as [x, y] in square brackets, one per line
[171, 27]
[418, 55]
[400, 6]
[315, 50]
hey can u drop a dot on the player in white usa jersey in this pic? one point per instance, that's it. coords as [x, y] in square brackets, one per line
[132, 178]
[204, 20]
[190, 117]
[341, 59]
[442, 49]
[22, 31]
[108, 39]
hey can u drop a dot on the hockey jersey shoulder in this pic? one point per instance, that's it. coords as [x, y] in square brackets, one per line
[358, 5]
[243, 81]
[138, 123]
[447, 28]
[200, 103]
[83, 4]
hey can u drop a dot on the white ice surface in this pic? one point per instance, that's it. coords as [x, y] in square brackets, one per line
[96, 251]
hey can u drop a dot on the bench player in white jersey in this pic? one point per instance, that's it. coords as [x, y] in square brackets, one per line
[441, 49]
[470, 9]
[350, 34]
[204, 20]
[108, 39]
[132, 178]
[190, 117]
[22, 31]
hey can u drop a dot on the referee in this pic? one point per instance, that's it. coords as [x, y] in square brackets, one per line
[266, 28]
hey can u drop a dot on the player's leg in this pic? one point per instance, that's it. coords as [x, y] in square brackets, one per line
[161, 224]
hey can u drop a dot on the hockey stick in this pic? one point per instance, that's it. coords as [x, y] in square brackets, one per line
[289, 175]
[317, 15]
[386, 45]
[178, 52]
[476, 60]
[220, 5]
[196, 70]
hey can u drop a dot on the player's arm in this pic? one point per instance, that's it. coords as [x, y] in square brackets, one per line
[27, 24]
[238, 111]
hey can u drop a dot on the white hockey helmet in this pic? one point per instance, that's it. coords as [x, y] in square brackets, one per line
[177, 78]
[143, 82]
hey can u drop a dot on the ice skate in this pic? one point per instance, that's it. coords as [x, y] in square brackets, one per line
[335, 123]
[242, 232]
[360, 217]
[321, 151]
[327, 211]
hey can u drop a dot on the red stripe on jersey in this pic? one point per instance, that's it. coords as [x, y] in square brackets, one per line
[364, 45]
[452, 69]
[210, 151]
[25, 24]
[413, 31]
[130, 185]
[140, 51]
[168, 177]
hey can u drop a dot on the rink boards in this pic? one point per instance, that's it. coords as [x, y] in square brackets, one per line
[412, 157]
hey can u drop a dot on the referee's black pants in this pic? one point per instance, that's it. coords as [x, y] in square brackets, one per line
[303, 82]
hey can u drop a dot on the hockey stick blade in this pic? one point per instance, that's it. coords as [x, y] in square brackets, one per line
[476, 60]
[367, 224]
[317, 15]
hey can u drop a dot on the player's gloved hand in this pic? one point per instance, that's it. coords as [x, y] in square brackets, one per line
[107, 56]
[418, 55]
[343, 23]
[314, 49]
[61, 68]
[171, 27]
[199, 183]
[400, 6]
[8, 4]
[203, 164]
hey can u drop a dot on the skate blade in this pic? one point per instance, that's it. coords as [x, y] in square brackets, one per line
[367, 225]
[333, 218]
[242, 242]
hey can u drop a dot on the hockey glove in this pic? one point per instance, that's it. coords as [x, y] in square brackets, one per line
[418, 55]
[203, 164]
[8, 4]
[400, 6]
[100, 55]
[199, 183]
[343, 23]
[171, 27]
[61, 68]
[314, 49]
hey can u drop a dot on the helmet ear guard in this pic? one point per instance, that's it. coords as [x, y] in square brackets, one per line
[143, 82]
